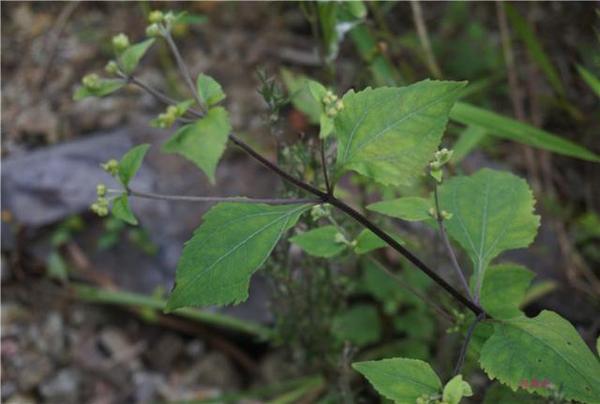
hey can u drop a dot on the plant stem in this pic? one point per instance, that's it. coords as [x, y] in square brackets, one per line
[324, 166]
[447, 245]
[187, 77]
[465, 345]
[325, 197]
[186, 198]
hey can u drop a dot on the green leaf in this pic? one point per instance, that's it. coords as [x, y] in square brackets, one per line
[534, 47]
[538, 353]
[390, 133]
[590, 79]
[326, 125]
[492, 211]
[320, 242]
[507, 128]
[411, 208]
[359, 325]
[122, 210]
[500, 394]
[131, 57]
[106, 87]
[209, 89]
[503, 290]
[302, 94]
[380, 284]
[368, 241]
[400, 379]
[203, 141]
[130, 163]
[467, 141]
[456, 389]
[57, 268]
[234, 240]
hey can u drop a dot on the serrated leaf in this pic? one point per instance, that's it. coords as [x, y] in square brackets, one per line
[233, 241]
[492, 211]
[368, 241]
[319, 242]
[503, 289]
[130, 163]
[390, 133]
[411, 208]
[511, 129]
[106, 87]
[541, 354]
[500, 394]
[209, 89]
[400, 379]
[202, 142]
[455, 390]
[122, 210]
[131, 57]
[359, 325]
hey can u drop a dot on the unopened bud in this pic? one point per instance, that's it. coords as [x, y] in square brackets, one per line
[339, 238]
[156, 16]
[111, 166]
[111, 68]
[153, 30]
[101, 190]
[120, 42]
[91, 81]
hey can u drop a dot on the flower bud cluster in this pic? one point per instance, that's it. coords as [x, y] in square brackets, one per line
[333, 105]
[91, 81]
[159, 22]
[427, 399]
[111, 167]
[168, 118]
[440, 158]
[444, 214]
[100, 207]
[320, 211]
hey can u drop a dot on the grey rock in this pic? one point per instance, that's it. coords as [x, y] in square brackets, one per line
[62, 388]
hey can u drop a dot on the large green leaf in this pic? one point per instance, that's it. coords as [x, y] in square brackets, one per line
[492, 211]
[511, 129]
[131, 56]
[130, 163]
[203, 141]
[400, 379]
[320, 242]
[391, 133]
[411, 208]
[541, 354]
[500, 394]
[504, 287]
[232, 242]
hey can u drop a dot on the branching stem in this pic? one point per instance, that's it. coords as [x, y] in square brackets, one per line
[326, 197]
[186, 198]
[447, 245]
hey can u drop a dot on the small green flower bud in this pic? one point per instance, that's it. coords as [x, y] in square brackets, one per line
[339, 238]
[111, 167]
[101, 190]
[91, 81]
[111, 67]
[331, 112]
[120, 42]
[169, 18]
[446, 215]
[155, 16]
[153, 30]
[172, 110]
[339, 105]
[432, 213]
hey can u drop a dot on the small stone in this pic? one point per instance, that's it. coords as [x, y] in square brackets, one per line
[62, 388]
[33, 369]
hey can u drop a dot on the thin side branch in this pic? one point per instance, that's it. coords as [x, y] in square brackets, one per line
[187, 77]
[324, 166]
[465, 345]
[186, 198]
[447, 245]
